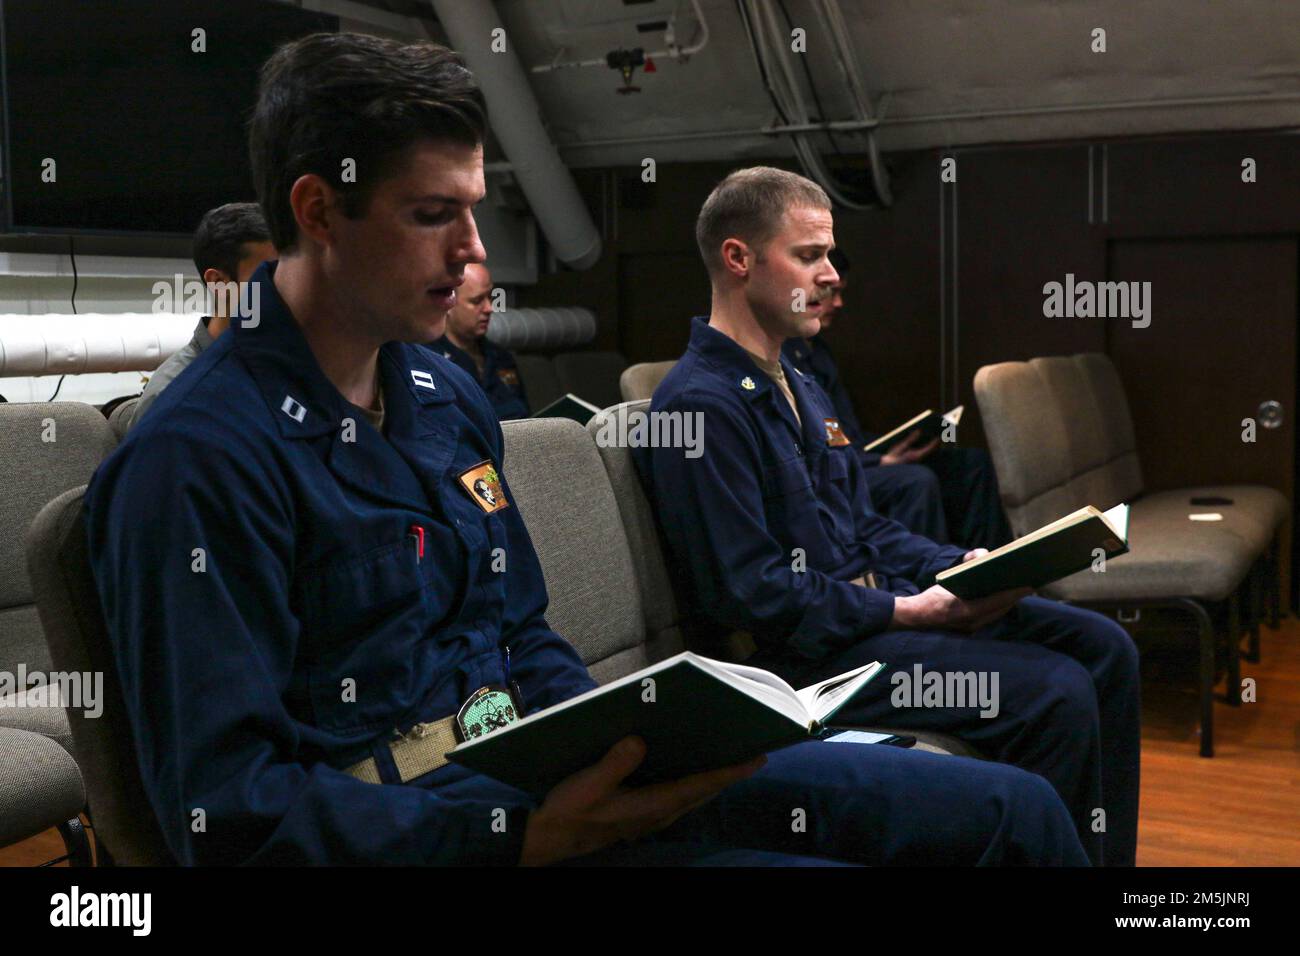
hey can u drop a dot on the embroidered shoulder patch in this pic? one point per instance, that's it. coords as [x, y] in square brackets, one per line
[835, 436]
[484, 485]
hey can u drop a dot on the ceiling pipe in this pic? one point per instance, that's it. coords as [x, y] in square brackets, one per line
[63, 344]
[852, 126]
[517, 122]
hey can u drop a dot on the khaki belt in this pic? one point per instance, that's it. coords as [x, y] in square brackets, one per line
[423, 749]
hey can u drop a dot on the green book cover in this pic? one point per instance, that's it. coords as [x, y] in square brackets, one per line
[1052, 552]
[568, 406]
[694, 714]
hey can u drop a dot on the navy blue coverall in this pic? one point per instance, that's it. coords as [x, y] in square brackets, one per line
[772, 524]
[285, 587]
[950, 496]
[500, 379]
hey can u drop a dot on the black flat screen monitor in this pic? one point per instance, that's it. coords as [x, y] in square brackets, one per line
[146, 132]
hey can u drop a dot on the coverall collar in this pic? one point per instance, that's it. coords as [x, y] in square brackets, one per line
[305, 401]
[730, 359]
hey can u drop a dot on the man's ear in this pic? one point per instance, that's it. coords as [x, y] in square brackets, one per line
[314, 203]
[737, 258]
[214, 276]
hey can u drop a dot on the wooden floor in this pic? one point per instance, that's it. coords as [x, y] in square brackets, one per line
[1241, 808]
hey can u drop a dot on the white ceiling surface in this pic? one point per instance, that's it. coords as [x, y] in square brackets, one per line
[935, 69]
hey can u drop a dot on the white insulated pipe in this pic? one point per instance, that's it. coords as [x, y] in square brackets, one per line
[516, 117]
[549, 328]
[61, 344]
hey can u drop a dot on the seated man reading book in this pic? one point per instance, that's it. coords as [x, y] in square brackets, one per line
[773, 527]
[946, 493]
[296, 554]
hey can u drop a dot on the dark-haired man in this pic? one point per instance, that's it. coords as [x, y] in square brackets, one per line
[229, 244]
[774, 530]
[945, 493]
[466, 343]
[300, 584]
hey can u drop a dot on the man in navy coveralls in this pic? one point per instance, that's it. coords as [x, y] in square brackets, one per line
[773, 527]
[298, 578]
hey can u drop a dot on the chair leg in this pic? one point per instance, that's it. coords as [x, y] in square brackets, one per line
[1205, 633]
[76, 842]
[1275, 586]
[1254, 608]
[1233, 690]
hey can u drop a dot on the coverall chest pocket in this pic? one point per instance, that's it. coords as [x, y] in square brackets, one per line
[361, 618]
[787, 479]
[837, 467]
[347, 597]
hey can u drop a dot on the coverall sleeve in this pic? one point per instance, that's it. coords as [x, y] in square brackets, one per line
[192, 548]
[712, 512]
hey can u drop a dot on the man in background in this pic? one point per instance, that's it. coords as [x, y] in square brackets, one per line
[935, 489]
[465, 343]
[230, 243]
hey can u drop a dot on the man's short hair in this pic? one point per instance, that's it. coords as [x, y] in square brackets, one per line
[222, 234]
[750, 205]
[331, 97]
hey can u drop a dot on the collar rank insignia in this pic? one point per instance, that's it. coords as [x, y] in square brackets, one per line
[508, 376]
[446, 355]
[484, 485]
[835, 436]
[422, 378]
[294, 409]
[747, 384]
[488, 709]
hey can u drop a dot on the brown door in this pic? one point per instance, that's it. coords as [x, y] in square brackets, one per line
[1222, 340]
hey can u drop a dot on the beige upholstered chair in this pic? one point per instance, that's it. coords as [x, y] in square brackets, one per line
[639, 382]
[1061, 437]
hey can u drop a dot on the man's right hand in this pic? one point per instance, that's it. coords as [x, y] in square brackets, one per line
[591, 809]
[938, 609]
[905, 452]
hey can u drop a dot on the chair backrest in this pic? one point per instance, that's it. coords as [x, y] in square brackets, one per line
[564, 495]
[638, 382]
[1111, 403]
[1055, 443]
[46, 448]
[120, 417]
[592, 376]
[663, 618]
[64, 588]
[537, 372]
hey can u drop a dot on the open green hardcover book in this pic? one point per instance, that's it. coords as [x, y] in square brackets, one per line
[1052, 552]
[694, 714]
[929, 423]
[568, 405]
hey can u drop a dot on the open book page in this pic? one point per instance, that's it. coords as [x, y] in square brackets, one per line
[761, 685]
[824, 698]
[1117, 520]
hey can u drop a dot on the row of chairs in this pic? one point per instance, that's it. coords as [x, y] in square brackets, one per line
[1059, 430]
[1061, 436]
[609, 584]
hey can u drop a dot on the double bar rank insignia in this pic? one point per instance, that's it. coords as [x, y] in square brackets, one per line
[484, 486]
[835, 436]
